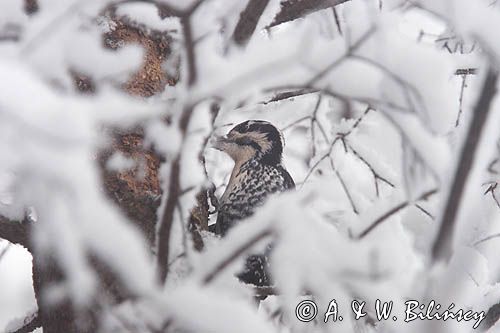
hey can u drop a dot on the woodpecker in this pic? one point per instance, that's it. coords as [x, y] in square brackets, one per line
[256, 147]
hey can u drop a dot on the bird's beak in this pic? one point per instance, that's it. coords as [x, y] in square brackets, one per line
[219, 142]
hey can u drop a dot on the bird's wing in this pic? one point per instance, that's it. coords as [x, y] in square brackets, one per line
[288, 182]
[224, 221]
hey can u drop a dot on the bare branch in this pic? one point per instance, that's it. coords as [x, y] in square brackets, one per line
[393, 211]
[443, 242]
[292, 10]
[295, 122]
[490, 237]
[425, 211]
[491, 189]
[460, 99]
[344, 187]
[342, 137]
[289, 94]
[375, 174]
[248, 21]
[350, 51]
[337, 20]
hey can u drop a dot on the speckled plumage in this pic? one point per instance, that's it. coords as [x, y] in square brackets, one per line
[253, 183]
[256, 147]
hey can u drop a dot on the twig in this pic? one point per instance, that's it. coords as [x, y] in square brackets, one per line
[344, 187]
[337, 20]
[391, 212]
[332, 144]
[352, 48]
[289, 94]
[460, 99]
[405, 85]
[295, 122]
[375, 174]
[313, 121]
[491, 189]
[490, 237]
[374, 103]
[359, 119]
[423, 210]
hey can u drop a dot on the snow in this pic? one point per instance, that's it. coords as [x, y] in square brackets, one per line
[147, 13]
[50, 135]
[16, 292]
[119, 162]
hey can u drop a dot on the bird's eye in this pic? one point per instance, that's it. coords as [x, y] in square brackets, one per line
[242, 128]
[246, 141]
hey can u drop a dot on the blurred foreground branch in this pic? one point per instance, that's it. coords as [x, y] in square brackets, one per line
[16, 232]
[443, 242]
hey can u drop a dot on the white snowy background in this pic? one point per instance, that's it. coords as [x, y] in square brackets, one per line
[386, 124]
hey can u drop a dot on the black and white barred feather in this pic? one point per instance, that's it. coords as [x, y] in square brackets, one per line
[256, 147]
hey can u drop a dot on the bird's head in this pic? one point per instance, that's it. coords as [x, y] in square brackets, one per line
[252, 139]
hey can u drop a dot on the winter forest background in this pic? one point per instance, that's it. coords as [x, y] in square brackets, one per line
[107, 180]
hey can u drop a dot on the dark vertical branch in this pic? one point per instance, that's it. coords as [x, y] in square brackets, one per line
[174, 191]
[188, 42]
[248, 21]
[167, 220]
[443, 242]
